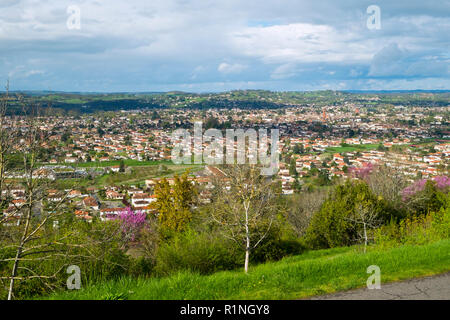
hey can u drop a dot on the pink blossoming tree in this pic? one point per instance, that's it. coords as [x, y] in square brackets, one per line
[442, 183]
[132, 223]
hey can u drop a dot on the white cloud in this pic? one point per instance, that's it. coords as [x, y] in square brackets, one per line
[395, 61]
[135, 44]
[227, 68]
[301, 42]
[33, 72]
[285, 71]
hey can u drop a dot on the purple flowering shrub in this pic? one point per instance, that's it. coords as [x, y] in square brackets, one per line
[362, 173]
[442, 184]
[132, 223]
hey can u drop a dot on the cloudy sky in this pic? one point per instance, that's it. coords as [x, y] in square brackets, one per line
[210, 45]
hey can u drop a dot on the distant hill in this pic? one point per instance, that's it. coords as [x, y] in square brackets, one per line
[89, 102]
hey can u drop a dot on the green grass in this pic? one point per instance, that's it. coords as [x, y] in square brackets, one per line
[128, 162]
[312, 273]
[352, 148]
[140, 174]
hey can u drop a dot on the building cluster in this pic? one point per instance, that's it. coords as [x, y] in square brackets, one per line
[329, 140]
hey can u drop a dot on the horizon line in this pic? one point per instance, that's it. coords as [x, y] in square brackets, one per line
[224, 91]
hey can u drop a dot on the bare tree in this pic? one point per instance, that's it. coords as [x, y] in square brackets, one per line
[29, 228]
[6, 142]
[368, 218]
[301, 208]
[244, 206]
[388, 183]
[35, 239]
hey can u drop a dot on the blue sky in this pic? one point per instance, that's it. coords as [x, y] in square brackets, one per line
[206, 45]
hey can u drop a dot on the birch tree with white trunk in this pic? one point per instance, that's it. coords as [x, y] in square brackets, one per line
[245, 206]
[365, 219]
[29, 232]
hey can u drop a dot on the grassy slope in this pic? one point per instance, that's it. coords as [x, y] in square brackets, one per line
[313, 273]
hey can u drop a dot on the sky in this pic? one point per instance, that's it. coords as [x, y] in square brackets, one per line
[213, 46]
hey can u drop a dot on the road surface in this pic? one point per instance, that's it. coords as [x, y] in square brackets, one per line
[427, 288]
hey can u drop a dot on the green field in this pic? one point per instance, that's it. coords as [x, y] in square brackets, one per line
[312, 273]
[138, 175]
[352, 148]
[103, 164]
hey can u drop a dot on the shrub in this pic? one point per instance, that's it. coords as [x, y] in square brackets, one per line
[333, 225]
[274, 249]
[442, 183]
[141, 266]
[199, 252]
[417, 229]
[96, 248]
[424, 196]
[205, 252]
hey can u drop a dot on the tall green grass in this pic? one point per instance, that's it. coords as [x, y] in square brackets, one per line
[312, 273]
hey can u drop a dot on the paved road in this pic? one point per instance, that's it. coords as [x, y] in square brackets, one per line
[428, 288]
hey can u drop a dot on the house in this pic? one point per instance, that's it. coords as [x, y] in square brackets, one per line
[11, 216]
[92, 189]
[115, 168]
[113, 195]
[15, 192]
[110, 213]
[150, 183]
[148, 209]
[54, 195]
[90, 202]
[205, 196]
[134, 191]
[84, 215]
[74, 194]
[142, 200]
[307, 165]
[16, 189]
[17, 204]
[337, 157]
